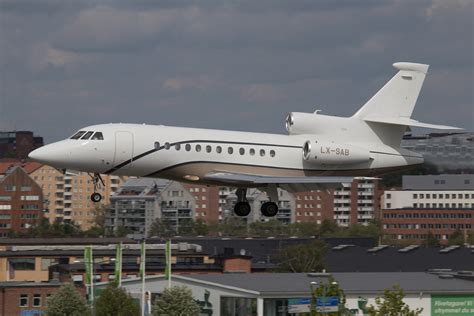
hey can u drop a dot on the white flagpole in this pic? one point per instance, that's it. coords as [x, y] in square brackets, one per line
[143, 263]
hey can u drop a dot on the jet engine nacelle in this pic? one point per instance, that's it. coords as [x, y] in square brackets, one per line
[298, 123]
[317, 152]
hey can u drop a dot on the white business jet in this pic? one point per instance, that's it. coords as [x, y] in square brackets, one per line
[319, 152]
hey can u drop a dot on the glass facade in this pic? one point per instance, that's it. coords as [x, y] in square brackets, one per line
[238, 306]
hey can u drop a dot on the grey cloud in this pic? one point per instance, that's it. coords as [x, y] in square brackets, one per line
[245, 62]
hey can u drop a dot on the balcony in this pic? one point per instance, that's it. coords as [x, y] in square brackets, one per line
[342, 201]
[365, 185]
[366, 209]
[342, 209]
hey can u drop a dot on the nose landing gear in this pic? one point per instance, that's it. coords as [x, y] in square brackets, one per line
[98, 184]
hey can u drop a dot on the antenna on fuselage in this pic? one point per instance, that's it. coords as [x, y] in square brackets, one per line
[317, 111]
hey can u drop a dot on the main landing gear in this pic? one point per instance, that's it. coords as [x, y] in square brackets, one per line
[98, 183]
[268, 209]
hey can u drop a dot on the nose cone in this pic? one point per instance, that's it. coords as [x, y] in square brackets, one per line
[49, 154]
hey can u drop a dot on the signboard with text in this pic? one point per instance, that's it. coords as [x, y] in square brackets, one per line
[452, 305]
[327, 304]
[299, 305]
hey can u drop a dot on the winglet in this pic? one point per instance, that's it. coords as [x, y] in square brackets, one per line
[423, 68]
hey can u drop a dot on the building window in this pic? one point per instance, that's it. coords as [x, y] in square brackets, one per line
[389, 196]
[23, 300]
[5, 207]
[415, 196]
[36, 300]
[25, 188]
[10, 188]
[22, 263]
[5, 198]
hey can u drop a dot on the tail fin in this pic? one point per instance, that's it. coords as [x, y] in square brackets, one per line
[398, 97]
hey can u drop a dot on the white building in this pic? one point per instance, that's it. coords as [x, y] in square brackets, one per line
[270, 294]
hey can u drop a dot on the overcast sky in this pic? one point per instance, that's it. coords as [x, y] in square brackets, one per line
[224, 64]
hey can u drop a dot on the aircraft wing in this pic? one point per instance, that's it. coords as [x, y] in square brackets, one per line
[291, 184]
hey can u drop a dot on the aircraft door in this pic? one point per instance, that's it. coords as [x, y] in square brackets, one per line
[123, 148]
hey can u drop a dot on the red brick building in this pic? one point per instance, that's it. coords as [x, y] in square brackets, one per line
[21, 201]
[18, 144]
[413, 225]
[18, 298]
[206, 202]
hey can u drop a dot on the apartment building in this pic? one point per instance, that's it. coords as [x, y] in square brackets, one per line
[139, 202]
[207, 202]
[314, 206]
[67, 196]
[21, 201]
[429, 204]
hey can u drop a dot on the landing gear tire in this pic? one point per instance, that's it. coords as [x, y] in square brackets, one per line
[96, 197]
[269, 209]
[242, 209]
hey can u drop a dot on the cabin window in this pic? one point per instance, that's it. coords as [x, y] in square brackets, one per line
[157, 145]
[262, 152]
[78, 135]
[187, 147]
[272, 153]
[252, 152]
[208, 148]
[177, 146]
[98, 136]
[230, 150]
[87, 135]
[218, 149]
[242, 151]
[167, 146]
[198, 148]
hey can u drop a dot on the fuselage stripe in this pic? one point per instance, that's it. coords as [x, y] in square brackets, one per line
[123, 164]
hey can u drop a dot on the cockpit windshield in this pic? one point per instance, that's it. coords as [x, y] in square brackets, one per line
[98, 136]
[84, 135]
[78, 135]
[87, 135]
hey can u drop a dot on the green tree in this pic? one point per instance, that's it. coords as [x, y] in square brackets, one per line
[305, 257]
[232, 226]
[66, 301]
[201, 228]
[329, 288]
[328, 228]
[303, 229]
[392, 304]
[431, 240]
[161, 228]
[115, 301]
[470, 237]
[176, 301]
[273, 227]
[456, 238]
[121, 231]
